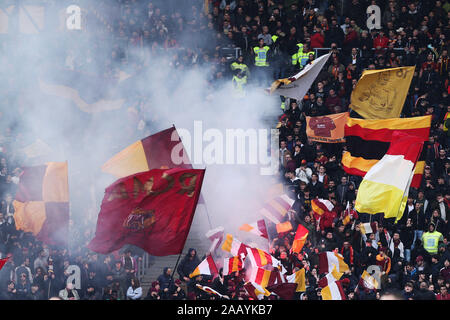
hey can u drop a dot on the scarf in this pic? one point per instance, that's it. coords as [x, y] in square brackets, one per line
[351, 253]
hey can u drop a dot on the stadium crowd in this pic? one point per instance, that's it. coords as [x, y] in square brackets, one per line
[253, 42]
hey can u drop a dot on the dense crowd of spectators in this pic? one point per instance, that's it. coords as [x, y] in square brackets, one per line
[412, 33]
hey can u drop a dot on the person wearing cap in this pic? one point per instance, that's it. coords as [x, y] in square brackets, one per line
[154, 292]
[431, 239]
[178, 292]
[422, 266]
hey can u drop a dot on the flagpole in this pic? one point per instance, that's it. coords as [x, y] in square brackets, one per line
[174, 269]
[207, 215]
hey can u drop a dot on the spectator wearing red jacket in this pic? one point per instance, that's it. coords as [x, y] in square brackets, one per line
[380, 43]
[317, 39]
[443, 294]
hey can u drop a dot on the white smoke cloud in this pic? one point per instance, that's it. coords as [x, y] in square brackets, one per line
[176, 96]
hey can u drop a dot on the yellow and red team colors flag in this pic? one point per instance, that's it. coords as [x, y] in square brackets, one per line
[367, 141]
[299, 279]
[206, 267]
[329, 260]
[300, 238]
[327, 129]
[152, 210]
[386, 184]
[257, 228]
[380, 94]
[42, 203]
[162, 150]
[334, 291]
[265, 277]
[231, 265]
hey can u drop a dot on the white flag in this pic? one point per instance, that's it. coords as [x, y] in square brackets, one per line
[297, 86]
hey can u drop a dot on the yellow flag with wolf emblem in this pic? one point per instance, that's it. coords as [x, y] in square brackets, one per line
[380, 94]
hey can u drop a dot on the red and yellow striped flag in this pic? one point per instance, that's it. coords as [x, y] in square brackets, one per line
[333, 291]
[42, 202]
[154, 152]
[206, 267]
[275, 210]
[300, 238]
[299, 278]
[234, 246]
[231, 265]
[258, 228]
[320, 206]
[255, 291]
[261, 258]
[265, 277]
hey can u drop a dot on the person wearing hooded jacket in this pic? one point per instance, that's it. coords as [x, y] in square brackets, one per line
[188, 265]
[165, 278]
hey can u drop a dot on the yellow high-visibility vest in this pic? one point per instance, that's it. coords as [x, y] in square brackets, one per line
[431, 241]
[261, 56]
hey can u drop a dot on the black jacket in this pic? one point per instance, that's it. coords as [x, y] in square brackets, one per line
[424, 294]
[187, 265]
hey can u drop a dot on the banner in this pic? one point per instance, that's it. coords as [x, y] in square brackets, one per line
[152, 210]
[327, 129]
[380, 94]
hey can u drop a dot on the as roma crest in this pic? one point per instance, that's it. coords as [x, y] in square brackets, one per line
[139, 219]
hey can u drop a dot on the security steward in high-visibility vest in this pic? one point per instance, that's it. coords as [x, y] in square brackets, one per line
[261, 53]
[240, 65]
[301, 57]
[295, 57]
[304, 59]
[431, 239]
[239, 81]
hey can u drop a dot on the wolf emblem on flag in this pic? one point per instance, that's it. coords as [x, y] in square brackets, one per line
[139, 219]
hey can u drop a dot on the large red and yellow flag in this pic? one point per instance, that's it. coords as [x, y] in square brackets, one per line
[161, 150]
[152, 210]
[42, 203]
[327, 129]
[367, 141]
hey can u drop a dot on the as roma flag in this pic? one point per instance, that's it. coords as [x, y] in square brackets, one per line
[41, 203]
[161, 150]
[152, 210]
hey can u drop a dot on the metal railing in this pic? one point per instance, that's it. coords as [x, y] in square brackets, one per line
[143, 266]
[317, 50]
